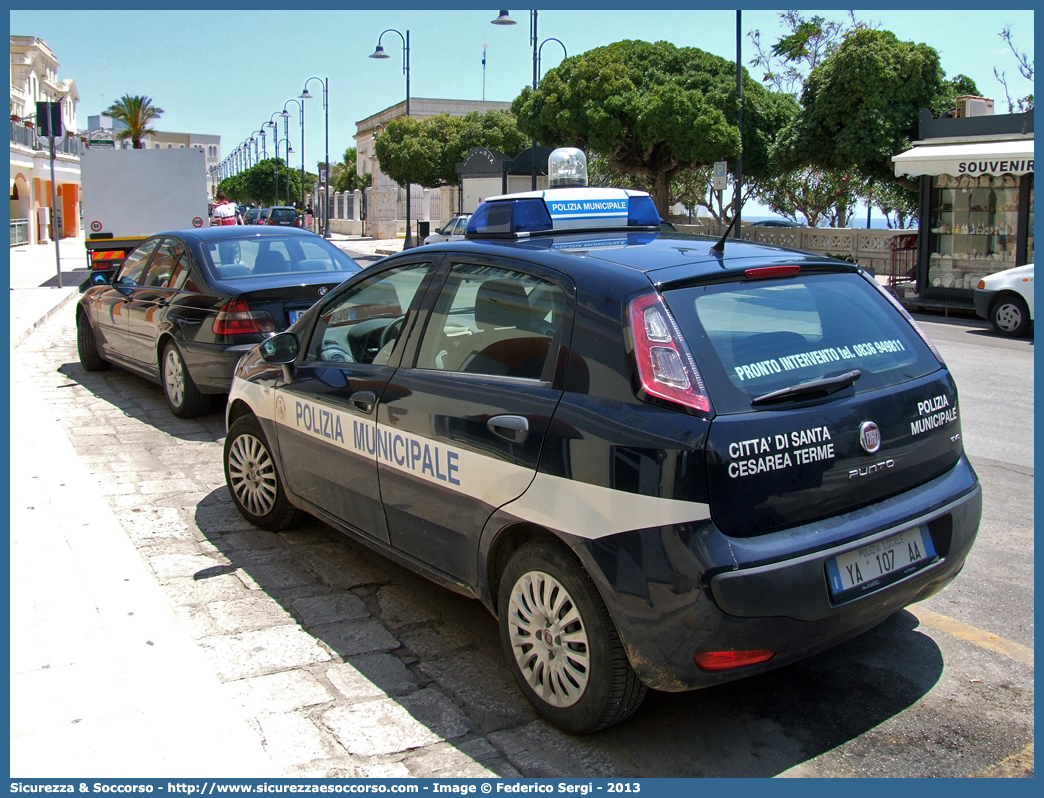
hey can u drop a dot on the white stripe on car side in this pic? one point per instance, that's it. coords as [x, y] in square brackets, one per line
[440, 462]
[577, 508]
[592, 511]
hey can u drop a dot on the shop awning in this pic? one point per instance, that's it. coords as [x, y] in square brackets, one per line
[986, 157]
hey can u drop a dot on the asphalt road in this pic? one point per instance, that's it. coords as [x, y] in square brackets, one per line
[292, 620]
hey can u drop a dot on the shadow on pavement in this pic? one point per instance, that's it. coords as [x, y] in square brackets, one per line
[137, 398]
[358, 604]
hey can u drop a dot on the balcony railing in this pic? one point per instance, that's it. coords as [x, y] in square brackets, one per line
[19, 232]
[27, 137]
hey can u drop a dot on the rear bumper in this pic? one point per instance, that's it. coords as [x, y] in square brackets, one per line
[213, 365]
[676, 592]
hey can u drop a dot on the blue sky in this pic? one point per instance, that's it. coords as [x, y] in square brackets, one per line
[227, 72]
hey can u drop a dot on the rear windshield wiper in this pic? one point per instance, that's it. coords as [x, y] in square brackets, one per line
[823, 387]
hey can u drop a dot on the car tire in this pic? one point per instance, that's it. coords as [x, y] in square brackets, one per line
[1009, 316]
[544, 590]
[252, 478]
[87, 347]
[183, 396]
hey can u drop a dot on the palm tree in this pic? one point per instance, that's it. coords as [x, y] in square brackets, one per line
[135, 113]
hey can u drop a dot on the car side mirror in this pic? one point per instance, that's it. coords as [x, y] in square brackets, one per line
[100, 278]
[280, 350]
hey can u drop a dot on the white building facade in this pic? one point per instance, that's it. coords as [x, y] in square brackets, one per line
[34, 78]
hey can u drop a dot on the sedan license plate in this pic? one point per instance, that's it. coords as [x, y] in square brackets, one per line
[877, 564]
[295, 315]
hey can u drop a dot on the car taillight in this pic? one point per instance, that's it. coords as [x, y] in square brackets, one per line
[724, 660]
[236, 318]
[665, 364]
[982, 284]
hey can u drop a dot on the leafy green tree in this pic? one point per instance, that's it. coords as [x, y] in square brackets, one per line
[258, 183]
[818, 195]
[898, 204]
[860, 105]
[654, 110]
[426, 152]
[807, 42]
[344, 175]
[135, 112]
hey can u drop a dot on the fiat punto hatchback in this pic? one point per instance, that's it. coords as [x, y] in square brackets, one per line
[661, 462]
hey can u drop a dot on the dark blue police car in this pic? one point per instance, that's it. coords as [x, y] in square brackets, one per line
[660, 462]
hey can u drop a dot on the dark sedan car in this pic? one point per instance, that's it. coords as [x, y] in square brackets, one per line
[280, 216]
[185, 305]
[253, 215]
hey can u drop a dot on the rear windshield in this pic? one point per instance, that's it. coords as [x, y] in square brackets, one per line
[752, 338]
[284, 213]
[264, 256]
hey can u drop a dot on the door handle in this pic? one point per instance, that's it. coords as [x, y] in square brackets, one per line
[511, 428]
[363, 401]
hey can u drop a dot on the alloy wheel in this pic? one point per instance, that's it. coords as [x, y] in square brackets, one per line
[174, 377]
[549, 639]
[251, 475]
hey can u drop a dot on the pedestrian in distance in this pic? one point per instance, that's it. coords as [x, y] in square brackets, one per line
[224, 212]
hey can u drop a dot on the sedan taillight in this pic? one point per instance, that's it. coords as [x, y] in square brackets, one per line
[236, 318]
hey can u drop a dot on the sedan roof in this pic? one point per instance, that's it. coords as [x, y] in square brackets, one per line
[220, 232]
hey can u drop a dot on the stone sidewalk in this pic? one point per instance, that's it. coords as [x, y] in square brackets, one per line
[106, 681]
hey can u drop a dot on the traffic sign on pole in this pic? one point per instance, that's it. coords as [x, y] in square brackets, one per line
[721, 175]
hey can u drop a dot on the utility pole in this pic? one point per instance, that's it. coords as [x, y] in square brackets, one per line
[49, 120]
[739, 158]
[483, 71]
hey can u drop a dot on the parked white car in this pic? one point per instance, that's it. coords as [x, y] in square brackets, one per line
[1006, 300]
[453, 230]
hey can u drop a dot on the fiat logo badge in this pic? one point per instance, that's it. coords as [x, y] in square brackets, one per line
[869, 437]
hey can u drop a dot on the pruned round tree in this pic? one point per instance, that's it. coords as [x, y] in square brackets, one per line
[860, 105]
[426, 152]
[653, 109]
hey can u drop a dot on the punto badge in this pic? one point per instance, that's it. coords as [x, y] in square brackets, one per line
[869, 437]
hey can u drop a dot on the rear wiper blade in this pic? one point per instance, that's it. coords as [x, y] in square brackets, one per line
[825, 386]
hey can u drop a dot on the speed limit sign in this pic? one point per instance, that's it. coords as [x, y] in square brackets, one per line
[96, 227]
[197, 222]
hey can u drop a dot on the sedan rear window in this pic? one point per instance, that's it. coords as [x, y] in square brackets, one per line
[753, 338]
[283, 213]
[264, 256]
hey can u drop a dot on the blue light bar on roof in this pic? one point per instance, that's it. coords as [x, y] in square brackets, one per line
[509, 217]
[562, 209]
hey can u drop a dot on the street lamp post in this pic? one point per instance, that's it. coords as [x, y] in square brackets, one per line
[275, 164]
[505, 19]
[264, 149]
[300, 105]
[379, 53]
[326, 162]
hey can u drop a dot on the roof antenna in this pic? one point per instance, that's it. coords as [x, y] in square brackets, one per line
[720, 246]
